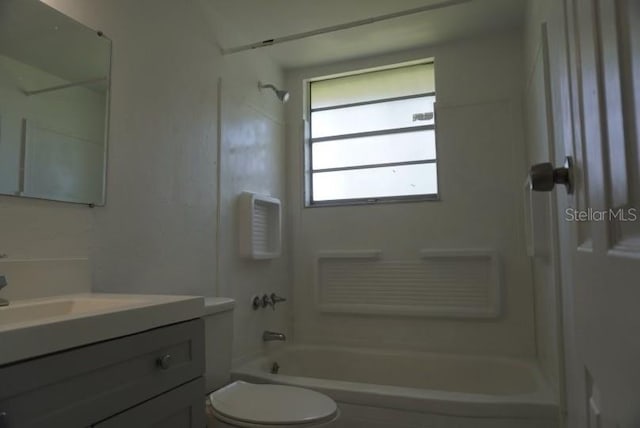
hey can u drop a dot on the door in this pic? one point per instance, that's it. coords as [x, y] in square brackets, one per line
[599, 225]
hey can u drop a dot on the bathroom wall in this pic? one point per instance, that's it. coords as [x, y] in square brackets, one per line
[45, 244]
[481, 173]
[157, 232]
[168, 225]
[252, 153]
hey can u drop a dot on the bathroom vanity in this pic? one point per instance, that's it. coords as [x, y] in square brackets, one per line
[150, 375]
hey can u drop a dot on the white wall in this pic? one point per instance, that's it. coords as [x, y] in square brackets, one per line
[46, 243]
[482, 169]
[252, 150]
[47, 247]
[158, 232]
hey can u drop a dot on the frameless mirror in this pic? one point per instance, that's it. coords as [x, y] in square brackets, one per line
[54, 97]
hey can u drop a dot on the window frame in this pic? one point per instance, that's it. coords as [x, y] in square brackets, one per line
[307, 187]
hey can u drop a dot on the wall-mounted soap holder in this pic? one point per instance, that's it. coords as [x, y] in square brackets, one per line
[260, 233]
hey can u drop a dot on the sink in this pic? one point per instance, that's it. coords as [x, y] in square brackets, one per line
[31, 311]
[31, 328]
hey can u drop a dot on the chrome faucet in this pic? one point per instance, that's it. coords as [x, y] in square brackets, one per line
[276, 299]
[3, 283]
[269, 336]
[266, 300]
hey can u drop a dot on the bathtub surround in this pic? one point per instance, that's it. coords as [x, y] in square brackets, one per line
[252, 153]
[480, 166]
[453, 284]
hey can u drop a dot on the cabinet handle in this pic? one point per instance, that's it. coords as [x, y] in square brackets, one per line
[163, 362]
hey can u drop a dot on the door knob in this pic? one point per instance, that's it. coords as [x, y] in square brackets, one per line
[543, 176]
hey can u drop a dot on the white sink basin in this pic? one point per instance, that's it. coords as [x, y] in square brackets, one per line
[30, 311]
[30, 328]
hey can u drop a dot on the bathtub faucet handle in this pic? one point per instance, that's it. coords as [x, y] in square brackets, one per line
[276, 299]
[266, 301]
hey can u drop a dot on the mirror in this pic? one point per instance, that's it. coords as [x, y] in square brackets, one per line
[54, 97]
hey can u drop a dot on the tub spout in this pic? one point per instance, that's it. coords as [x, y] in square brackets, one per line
[268, 336]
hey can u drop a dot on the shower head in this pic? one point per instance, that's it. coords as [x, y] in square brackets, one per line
[282, 95]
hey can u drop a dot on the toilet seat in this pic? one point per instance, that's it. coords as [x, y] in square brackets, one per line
[257, 405]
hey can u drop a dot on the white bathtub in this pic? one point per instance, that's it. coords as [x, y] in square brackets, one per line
[380, 389]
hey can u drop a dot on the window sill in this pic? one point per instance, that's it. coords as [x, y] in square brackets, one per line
[374, 201]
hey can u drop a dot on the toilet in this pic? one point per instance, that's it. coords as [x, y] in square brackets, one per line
[248, 405]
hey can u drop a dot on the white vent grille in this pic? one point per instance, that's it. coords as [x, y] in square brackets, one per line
[452, 283]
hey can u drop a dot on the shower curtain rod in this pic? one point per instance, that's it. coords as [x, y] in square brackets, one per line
[339, 27]
[65, 86]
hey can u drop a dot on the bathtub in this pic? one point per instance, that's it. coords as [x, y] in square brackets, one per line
[390, 389]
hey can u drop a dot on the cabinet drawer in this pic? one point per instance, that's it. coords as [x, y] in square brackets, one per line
[88, 384]
[182, 407]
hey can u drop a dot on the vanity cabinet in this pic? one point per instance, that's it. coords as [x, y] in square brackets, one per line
[181, 407]
[148, 379]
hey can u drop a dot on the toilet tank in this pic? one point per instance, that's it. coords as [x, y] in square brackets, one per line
[218, 330]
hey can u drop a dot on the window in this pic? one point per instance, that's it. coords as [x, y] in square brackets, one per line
[372, 137]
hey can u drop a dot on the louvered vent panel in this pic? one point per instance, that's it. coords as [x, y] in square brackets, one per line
[464, 285]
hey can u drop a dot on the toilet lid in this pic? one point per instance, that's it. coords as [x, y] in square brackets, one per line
[272, 404]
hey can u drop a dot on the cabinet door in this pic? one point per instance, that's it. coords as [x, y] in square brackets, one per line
[78, 387]
[182, 407]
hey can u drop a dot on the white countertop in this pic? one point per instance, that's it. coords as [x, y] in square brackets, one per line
[29, 329]
[214, 305]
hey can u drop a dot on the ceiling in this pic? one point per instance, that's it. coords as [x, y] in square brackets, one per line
[241, 22]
